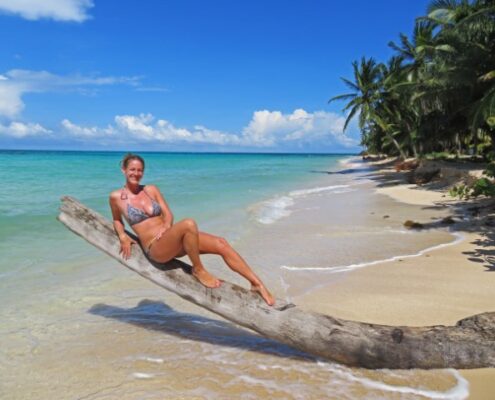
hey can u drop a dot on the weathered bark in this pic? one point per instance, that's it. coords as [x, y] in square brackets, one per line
[468, 344]
[424, 173]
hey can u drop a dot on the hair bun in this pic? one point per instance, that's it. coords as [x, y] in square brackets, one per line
[130, 157]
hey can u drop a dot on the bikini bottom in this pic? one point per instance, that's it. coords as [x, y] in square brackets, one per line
[153, 241]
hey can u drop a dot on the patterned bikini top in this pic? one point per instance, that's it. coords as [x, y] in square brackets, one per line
[136, 215]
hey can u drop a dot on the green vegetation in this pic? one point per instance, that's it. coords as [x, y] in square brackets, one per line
[483, 186]
[437, 93]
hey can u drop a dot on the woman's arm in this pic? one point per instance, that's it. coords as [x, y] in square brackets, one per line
[167, 215]
[125, 241]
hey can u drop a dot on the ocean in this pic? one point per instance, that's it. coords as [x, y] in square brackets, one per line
[75, 324]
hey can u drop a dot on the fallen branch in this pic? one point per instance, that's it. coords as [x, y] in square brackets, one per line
[468, 344]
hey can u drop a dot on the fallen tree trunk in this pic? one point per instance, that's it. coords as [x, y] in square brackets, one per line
[468, 344]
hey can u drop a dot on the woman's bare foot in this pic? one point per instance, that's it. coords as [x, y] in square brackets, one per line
[264, 293]
[205, 278]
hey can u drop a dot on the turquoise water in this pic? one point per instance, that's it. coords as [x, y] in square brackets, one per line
[78, 325]
[215, 189]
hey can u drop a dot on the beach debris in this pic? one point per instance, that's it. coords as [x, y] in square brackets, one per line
[423, 174]
[448, 220]
[490, 222]
[468, 344]
[409, 165]
[409, 224]
[386, 216]
[372, 157]
[475, 211]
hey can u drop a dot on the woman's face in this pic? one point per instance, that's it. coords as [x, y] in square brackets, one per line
[133, 172]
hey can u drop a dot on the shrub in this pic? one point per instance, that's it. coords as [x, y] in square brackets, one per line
[483, 186]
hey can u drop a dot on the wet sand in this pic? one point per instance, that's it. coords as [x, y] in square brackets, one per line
[440, 286]
[115, 335]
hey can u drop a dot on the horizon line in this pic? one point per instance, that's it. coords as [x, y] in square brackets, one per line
[175, 152]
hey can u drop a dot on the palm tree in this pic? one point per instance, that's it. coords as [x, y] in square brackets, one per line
[438, 92]
[365, 100]
[397, 106]
[470, 73]
[367, 76]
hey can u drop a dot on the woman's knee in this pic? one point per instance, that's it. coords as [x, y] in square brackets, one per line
[222, 245]
[190, 225]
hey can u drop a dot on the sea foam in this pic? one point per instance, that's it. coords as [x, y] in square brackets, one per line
[458, 238]
[458, 392]
[342, 376]
[269, 211]
[142, 375]
[305, 192]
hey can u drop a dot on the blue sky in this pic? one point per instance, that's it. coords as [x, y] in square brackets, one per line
[187, 75]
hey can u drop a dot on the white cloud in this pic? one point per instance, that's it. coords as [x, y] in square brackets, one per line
[205, 135]
[267, 128]
[59, 10]
[44, 80]
[138, 126]
[20, 130]
[16, 82]
[87, 132]
[10, 99]
[143, 128]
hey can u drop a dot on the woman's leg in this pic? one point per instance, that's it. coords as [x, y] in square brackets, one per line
[183, 237]
[210, 244]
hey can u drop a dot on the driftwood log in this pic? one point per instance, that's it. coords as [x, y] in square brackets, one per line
[468, 344]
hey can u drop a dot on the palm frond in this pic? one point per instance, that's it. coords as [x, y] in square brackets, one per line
[350, 116]
[483, 110]
[442, 5]
[350, 85]
[342, 97]
[487, 77]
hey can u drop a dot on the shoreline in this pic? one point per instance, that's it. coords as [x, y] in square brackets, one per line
[440, 286]
[134, 329]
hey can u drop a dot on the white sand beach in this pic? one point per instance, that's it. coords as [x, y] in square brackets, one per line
[336, 246]
[440, 286]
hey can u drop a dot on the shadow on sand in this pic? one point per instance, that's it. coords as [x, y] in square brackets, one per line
[473, 216]
[484, 253]
[158, 316]
[477, 217]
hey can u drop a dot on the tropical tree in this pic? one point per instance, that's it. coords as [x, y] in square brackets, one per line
[467, 72]
[437, 93]
[365, 100]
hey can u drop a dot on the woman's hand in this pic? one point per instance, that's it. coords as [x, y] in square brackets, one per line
[126, 243]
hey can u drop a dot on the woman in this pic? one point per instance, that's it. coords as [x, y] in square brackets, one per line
[150, 217]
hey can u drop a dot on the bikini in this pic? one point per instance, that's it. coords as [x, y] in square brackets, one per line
[136, 215]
